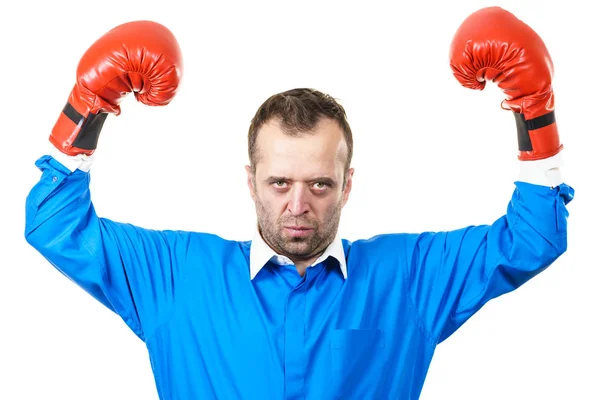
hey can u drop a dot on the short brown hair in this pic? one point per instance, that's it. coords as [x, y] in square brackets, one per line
[298, 110]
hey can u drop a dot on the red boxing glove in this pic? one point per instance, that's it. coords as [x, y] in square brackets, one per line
[142, 57]
[492, 44]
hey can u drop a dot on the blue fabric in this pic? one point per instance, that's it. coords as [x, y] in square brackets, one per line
[212, 333]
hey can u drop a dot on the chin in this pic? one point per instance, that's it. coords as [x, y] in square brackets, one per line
[298, 247]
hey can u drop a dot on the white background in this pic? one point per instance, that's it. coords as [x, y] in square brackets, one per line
[429, 155]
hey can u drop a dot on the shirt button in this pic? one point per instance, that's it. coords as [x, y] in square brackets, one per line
[54, 179]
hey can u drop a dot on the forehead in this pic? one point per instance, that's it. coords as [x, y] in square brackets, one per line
[319, 152]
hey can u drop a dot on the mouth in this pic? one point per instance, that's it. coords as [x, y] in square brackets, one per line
[298, 231]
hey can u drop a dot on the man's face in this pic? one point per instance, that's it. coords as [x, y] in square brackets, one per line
[298, 188]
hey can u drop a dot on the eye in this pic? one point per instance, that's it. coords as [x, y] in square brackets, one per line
[279, 184]
[320, 185]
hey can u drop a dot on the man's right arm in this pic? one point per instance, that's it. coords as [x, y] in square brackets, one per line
[126, 268]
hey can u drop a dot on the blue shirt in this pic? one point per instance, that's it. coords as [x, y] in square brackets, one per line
[213, 332]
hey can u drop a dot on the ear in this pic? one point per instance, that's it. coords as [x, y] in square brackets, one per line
[251, 179]
[348, 186]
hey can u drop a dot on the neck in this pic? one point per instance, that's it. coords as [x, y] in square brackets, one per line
[301, 269]
[301, 265]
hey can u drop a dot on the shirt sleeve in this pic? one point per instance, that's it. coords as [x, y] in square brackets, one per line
[451, 275]
[129, 269]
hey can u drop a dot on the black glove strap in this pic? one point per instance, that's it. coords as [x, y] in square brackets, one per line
[524, 126]
[87, 139]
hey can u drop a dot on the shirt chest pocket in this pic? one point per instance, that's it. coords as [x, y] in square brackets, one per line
[357, 361]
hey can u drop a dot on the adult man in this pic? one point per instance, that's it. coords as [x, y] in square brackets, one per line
[297, 312]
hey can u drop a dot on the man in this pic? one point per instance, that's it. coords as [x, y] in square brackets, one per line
[298, 312]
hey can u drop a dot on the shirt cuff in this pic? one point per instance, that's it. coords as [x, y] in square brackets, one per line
[545, 172]
[82, 162]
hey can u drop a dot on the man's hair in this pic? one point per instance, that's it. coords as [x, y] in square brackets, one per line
[298, 111]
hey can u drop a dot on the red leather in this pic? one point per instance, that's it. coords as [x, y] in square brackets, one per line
[493, 45]
[142, 57]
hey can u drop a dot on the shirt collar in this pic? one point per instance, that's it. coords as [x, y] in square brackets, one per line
[261, 253]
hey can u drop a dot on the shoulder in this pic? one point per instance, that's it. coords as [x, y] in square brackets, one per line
[383, 243]
[206, 240]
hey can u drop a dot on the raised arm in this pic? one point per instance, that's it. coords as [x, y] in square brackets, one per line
[126, 268]
[453, 274]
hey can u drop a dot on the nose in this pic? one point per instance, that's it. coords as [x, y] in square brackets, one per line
[298, 203]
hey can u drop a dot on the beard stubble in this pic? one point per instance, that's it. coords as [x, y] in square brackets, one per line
[271, 227]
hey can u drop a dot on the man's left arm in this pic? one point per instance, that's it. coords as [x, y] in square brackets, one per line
[453, 274]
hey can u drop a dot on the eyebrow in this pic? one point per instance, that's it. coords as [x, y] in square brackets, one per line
[276, 179]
